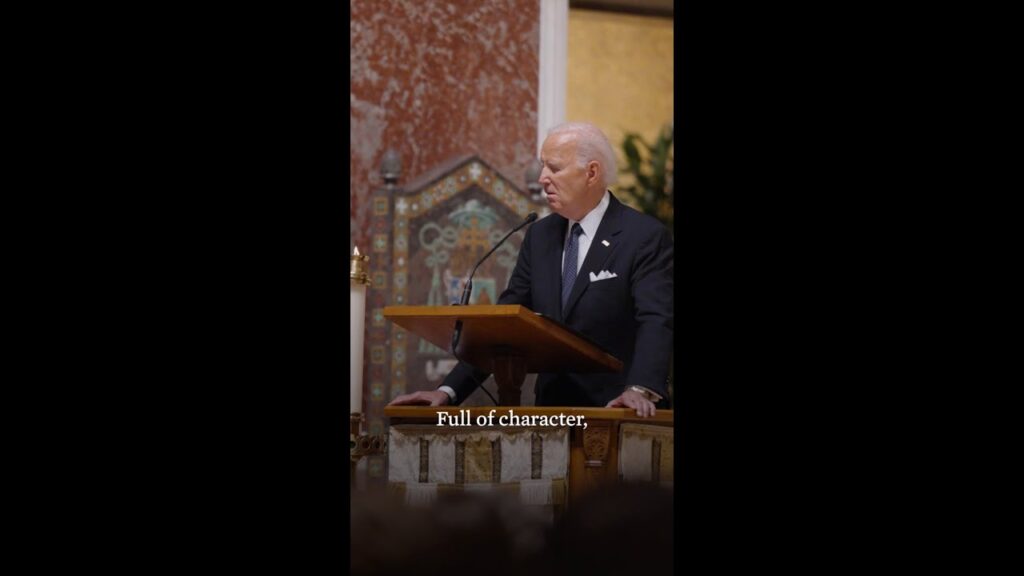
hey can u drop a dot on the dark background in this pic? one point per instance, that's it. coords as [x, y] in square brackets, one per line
[206, 221]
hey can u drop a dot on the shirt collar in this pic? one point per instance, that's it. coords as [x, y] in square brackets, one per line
[592, 220]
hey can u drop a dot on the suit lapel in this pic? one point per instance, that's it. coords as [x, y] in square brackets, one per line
[601, 247]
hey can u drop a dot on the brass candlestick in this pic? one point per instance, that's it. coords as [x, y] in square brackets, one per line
[362, 444]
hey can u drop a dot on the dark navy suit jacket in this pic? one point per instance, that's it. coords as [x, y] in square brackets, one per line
[630, 315]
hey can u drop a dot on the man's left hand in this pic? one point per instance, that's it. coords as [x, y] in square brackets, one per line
[633, 399]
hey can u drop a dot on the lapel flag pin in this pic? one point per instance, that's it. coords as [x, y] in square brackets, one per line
[605, 242]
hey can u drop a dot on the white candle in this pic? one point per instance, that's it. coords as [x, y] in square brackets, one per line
[358, 283]
[358, 314]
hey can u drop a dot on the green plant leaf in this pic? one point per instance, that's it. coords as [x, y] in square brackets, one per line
[632, 153]
[651, 170]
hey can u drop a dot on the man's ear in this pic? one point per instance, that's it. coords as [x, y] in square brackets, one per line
[594, 170]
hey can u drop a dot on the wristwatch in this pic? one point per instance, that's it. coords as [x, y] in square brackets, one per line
[648, 394]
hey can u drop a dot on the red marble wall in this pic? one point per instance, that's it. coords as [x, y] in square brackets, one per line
[437, 79]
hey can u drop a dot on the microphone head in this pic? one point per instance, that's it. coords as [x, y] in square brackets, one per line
[531, 217]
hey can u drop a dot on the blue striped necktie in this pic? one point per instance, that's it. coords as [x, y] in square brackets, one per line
[571, 261]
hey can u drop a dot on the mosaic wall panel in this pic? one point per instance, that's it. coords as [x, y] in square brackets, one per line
[436, 231]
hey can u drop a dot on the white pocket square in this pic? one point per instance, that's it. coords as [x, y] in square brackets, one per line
[604, 275]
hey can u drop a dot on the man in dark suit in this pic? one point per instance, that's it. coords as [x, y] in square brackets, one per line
[598, 266]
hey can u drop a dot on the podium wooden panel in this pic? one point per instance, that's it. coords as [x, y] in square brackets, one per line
[507, 340]
[593, 453]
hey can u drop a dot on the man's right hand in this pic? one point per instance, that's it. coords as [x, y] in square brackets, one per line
[427, 398]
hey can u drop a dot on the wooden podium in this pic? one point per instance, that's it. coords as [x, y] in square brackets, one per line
[509, 341]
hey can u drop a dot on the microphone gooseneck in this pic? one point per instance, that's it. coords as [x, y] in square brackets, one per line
[468, 288]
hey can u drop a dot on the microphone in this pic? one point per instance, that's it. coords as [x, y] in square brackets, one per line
[469, 283]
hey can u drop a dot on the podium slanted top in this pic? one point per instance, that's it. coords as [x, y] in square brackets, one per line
[505, 329]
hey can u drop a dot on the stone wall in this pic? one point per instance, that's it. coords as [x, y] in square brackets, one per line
[439, 79]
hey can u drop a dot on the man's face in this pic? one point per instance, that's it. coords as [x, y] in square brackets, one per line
[568, 187]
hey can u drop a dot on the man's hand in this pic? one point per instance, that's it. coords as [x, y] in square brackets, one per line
[428, 398]
[632, 399]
